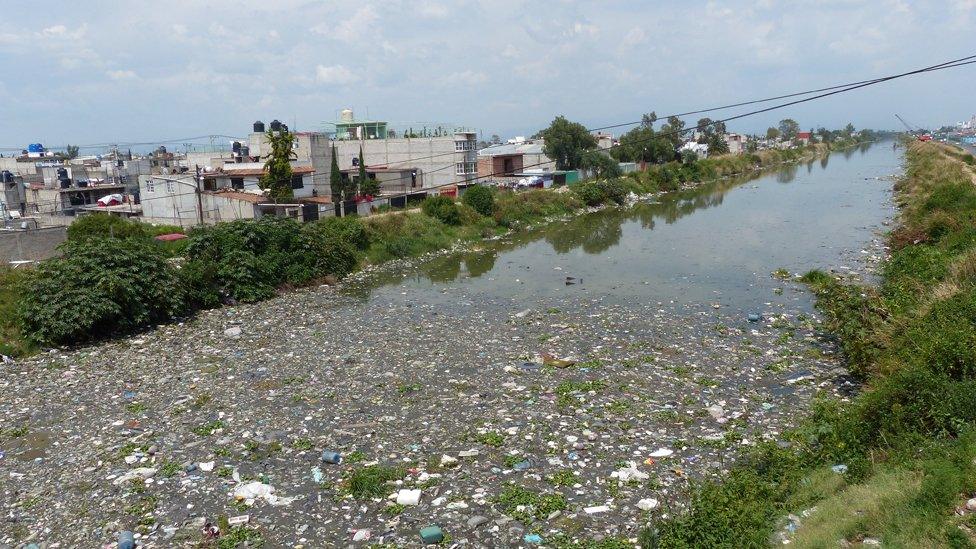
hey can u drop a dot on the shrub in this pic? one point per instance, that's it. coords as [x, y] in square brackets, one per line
[595, 193]
[98, 288]
[443, 209]
[511, 208]
[104, 226]
[246, 260]
[347, 229]
[481, 199]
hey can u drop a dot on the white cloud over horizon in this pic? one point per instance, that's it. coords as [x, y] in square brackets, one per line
[83, 73]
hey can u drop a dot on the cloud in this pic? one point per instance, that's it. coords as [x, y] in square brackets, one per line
[466, 78]
[634, 37]
[335, 74]
[62, 32]
[433, 10]
[355, 28]
[121, 75]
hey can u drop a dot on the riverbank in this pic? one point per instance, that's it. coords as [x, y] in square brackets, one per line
[894, 466]
[58, 305]
[576, 416]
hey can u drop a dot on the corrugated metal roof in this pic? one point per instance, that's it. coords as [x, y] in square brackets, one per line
[511, 149]
[246, 172]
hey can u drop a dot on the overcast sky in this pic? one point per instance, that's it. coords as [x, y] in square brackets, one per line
[74, 72]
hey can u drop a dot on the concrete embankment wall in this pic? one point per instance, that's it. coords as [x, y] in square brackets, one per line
[34, 244]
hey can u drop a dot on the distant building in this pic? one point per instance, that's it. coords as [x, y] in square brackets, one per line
[433, 157]
[736, 142]
[804, 138]
[310, 148]
[503, 161]
[225, 194]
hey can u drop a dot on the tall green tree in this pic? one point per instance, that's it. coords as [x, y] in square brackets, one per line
[565, 142]
[602, 165]
[772, 133]
[277, 165]
[788, 128]
[336, 184]
[849, 128]
[367, 186]
[71, 151]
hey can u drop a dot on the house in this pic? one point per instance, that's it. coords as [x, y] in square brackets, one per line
[699, 149]
[736, 142]
[804, 138]
[225, 194]
[246, 176]
[310, 149]
[435, 156]
[502, 162]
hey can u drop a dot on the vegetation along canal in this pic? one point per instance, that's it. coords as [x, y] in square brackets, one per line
[566, 383]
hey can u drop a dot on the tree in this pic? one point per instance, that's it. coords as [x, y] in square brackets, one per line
[602, 165]
[71, 151]
[565, 142]
[849, 128]
[495, 140]
[713, 135]
[367, 186]
[673, 130]
[649, 119]
[277, 166]
[643, 144]
[788, 128]
[772, 133]
[336, 183]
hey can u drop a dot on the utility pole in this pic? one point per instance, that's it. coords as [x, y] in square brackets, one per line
[199, 181]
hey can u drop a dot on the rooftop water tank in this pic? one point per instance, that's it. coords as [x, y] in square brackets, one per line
[346, 115]
[35, 148]
[259, 127]
[276, 125]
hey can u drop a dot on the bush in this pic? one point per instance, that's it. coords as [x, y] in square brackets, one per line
[104, 226]
[443, 209]
[481, 199]
[246, 260]
[595, 193]
[99, 288]
[346, 229]
[405, 235]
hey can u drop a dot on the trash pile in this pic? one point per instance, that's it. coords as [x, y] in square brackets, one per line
[316, 419]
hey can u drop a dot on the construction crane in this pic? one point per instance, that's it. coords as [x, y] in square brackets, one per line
[918, 133]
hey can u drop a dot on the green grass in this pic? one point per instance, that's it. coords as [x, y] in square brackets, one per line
[371, 481]
[908, 439]
[12, 340]
[535, 505]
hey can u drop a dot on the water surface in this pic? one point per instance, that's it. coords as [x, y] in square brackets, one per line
[715, 244]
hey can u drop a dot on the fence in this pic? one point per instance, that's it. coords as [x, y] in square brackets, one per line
[30, 244]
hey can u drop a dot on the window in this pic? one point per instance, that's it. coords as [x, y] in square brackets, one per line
[169, 187]
[463, 168]
[462, 146]
[150, 185]
[297, 182]
[237, 183]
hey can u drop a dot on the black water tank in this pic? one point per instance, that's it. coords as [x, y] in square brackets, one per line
[236, 147]
[6, 176]
[259, 127]
[276, 125]
[284, 128]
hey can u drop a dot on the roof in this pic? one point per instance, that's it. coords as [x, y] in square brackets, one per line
[507, 149]
[247, 172]
[236, 195]
[315, 200]
[803, 135]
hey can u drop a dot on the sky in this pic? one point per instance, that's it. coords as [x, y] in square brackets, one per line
[89, 73]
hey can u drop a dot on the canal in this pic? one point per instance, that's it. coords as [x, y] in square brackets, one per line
[716, 244]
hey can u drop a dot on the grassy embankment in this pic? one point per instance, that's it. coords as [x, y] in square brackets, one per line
[908, 440]
[244, 261]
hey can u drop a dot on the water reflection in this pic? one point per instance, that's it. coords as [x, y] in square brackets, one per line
[775, 223]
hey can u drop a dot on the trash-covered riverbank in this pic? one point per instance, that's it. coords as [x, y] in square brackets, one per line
[545, 394]
[606, 411]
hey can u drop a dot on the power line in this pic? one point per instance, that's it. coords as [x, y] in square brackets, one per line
[834, 91]
[948, 64]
